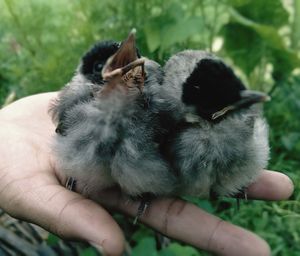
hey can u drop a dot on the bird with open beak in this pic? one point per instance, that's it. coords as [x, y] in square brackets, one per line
[109, 137]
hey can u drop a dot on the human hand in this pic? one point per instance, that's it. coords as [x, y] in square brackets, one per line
[30, 189]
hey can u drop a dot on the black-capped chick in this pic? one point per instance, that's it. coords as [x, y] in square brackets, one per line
[218, 138]
[108, 138]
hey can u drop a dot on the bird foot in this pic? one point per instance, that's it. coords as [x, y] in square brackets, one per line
[242, 195]
[70, 184]
[161, 241]
[145, 201]
[144, 204]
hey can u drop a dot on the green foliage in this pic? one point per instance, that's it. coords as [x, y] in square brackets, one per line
[296, 26]
[42, 42]
[52, 240]
[147, 247]
[259, 34]
[88, 252]
[267, 12]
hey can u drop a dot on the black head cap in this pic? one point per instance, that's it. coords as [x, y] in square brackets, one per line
[211, 87]
[94, 60]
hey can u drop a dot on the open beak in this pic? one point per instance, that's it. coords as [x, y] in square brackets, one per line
[125, 68]
[125, 55]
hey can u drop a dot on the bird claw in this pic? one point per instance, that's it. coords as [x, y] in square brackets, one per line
[144, 204]
[71, 184]
[238, 203]
[161, 241]
[242, 195]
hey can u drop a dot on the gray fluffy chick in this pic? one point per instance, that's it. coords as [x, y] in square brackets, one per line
[87, 78]
[218, 138]
[109, 130]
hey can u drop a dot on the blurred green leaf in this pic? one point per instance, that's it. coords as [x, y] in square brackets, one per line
[290, 140]
[180, 31]
[268, 33]
[171, 28]
[88, 252]
[238, 3]
[175, 249]
[201, 203]
[145, 247]
[284, 61]
[142, 232]
[52, 239]
[153, 37]
[246, 50]
[266, 12]
[295, 37]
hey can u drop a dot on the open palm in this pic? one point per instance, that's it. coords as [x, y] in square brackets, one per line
[31, 189]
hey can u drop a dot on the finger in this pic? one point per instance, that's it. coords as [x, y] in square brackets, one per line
[26, 108]
[271, 185]
[25, 113]
[185, 222]
[64, 213]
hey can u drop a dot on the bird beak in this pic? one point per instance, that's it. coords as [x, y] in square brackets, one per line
[249, 97]
[124, 59]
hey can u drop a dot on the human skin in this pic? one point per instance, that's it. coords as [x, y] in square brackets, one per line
[31, 190]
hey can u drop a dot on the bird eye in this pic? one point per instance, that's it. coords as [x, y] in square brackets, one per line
[98, 66]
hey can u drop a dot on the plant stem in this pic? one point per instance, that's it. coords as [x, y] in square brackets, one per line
[295, 35]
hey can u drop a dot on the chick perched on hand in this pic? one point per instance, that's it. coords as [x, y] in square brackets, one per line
[106, 131]
[218, 140]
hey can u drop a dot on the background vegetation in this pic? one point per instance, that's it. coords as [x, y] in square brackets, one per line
[42, 41]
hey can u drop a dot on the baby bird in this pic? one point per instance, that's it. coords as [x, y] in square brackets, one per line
[107, 132]
[218, 139]
[88, 77]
